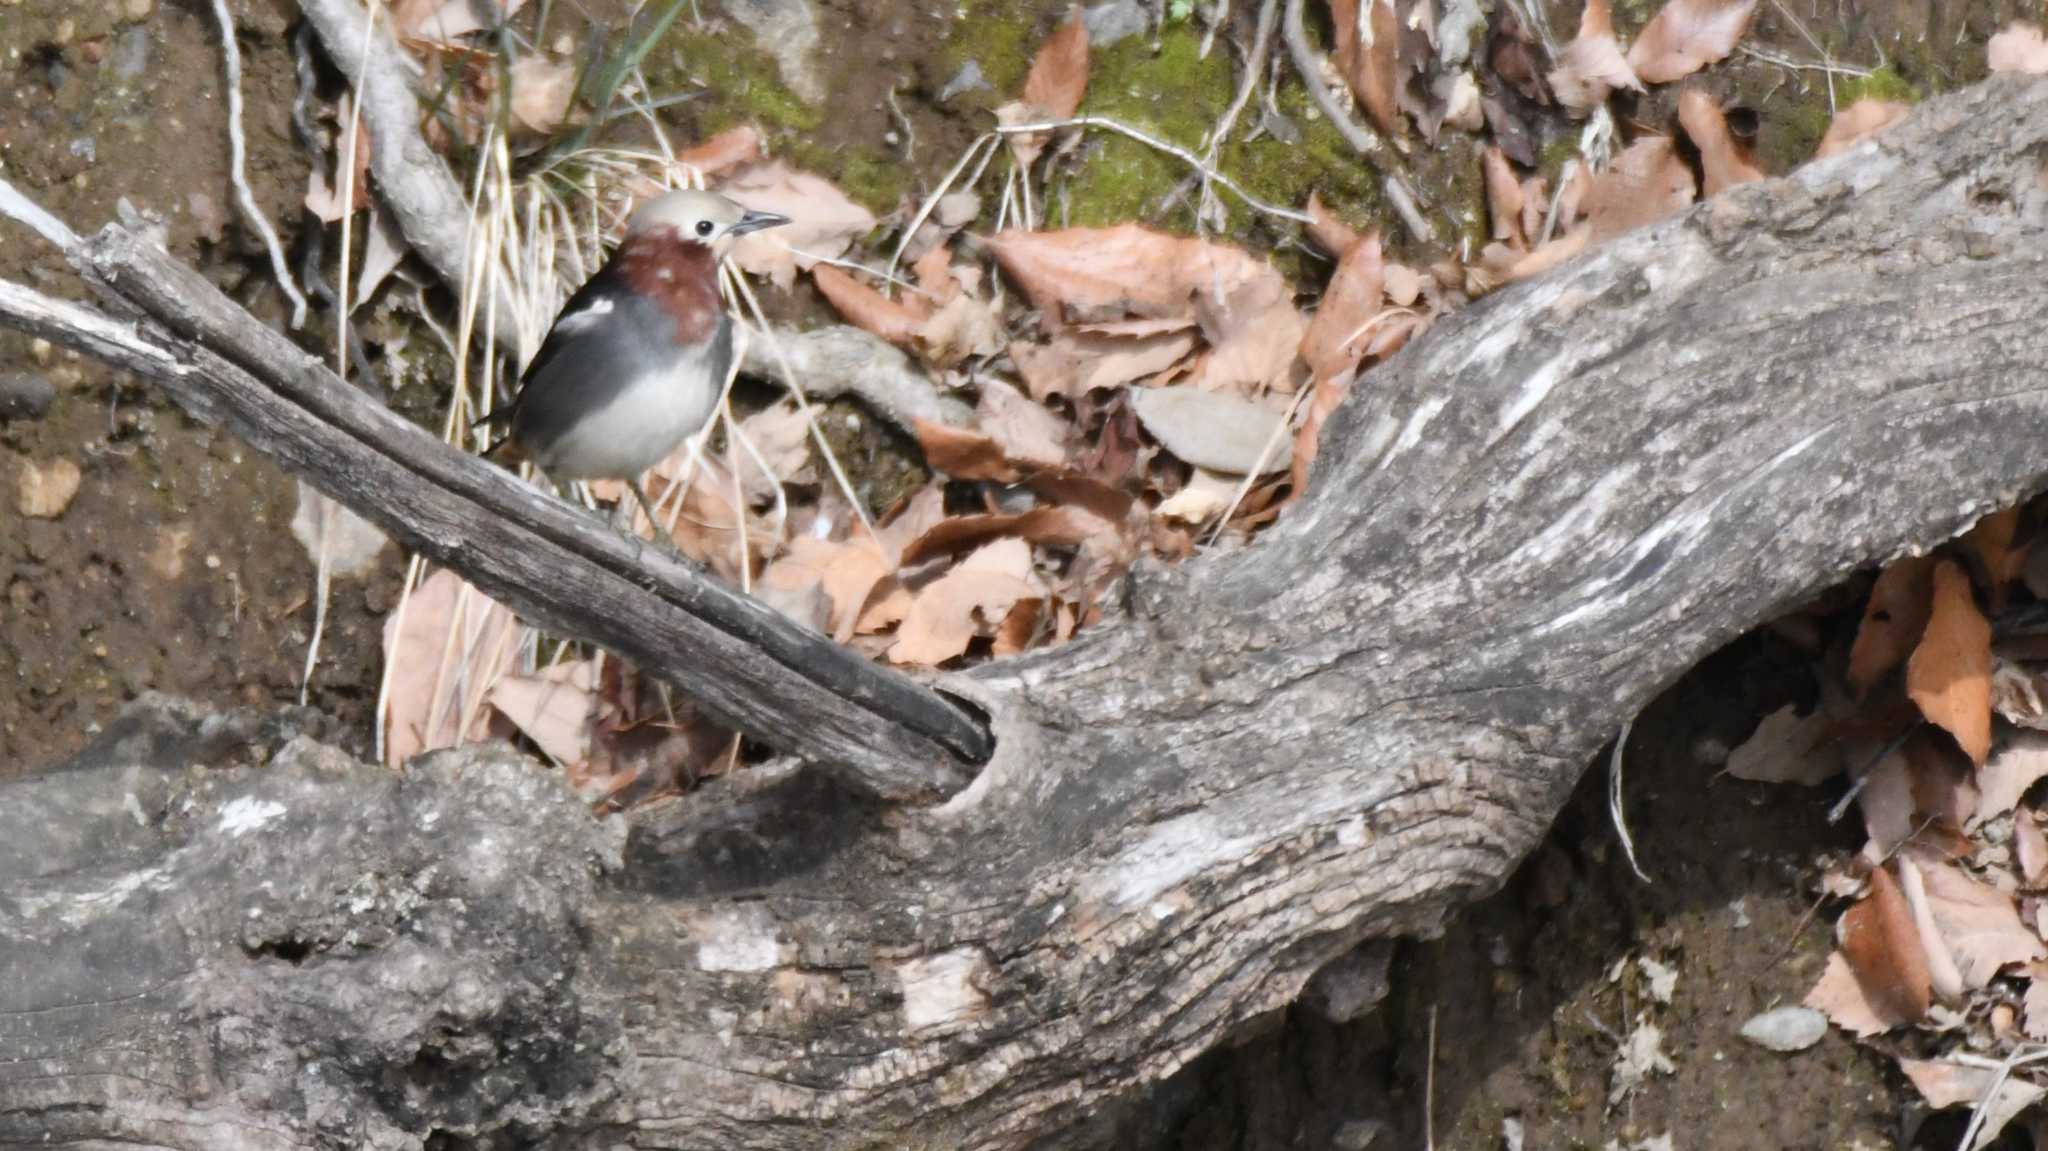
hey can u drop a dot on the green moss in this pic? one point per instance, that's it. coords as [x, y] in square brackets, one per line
[1000, 37]
[740, 83]
[1883, 84]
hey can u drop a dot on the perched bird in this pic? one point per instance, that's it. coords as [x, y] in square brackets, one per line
[637, 358]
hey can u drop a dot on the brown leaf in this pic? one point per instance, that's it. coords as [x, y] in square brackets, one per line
[1788, 748]
[963, 326]
[445, 647]
[2020, 48]
[1591, 66]
[823, 222]
[1978, 923]
[1085, 274]
[557, 709]
[1949, 674]
[1332, 344]
[2006, 776]
[1945, 1083]
[1367, 58]
[848, 573]
[965, 455]
[1028, 434]
[732, 148]
[1893, 620]
[1852, 124]
[1687, 35]
[1841, 998]
[2030, 851]
[1882, 946]
[1051, 526]
[970, 600]
[1723, 162]
[2003, 559]
[1647, 182]
[541, 92]
[1019, 627]
[1059, 73]
[1330, 233]
[1077, 362]
[896, 321]
[1503, 197]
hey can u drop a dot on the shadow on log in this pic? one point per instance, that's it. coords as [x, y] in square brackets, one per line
[1520, 530]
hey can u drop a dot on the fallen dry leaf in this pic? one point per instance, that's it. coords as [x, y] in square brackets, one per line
[1051, 526]
[1879, 940]
[1647, 182]
[1053, 89]
[963, 326]
[2004, 779]
[1027, 433]
[557, 709]
[446, 21]
[2019, 48]
[823, 221]
[732, 148]
[1019, 628]
[1077, 362]
[1592, 66]
[896, 321]
[1504, 201]
[541, 92]
[1788, 748]
[1330, 233]
[1366, 56]
[1994, 541]
[1859, 120]
[2030, 851]
[445, 648]
[1723, 162]
[1212, 430]
[1892, 621]
[1886, 798]
[970, 600]
[332, 534]
[848, 572]
[1201, 499]
[1332, 343]
[1978, 923]
[1687, 35]
[1841, 997]
[323, 195]
[43, 491]
[964, 454]
[1949, 674]
[1945, 1083]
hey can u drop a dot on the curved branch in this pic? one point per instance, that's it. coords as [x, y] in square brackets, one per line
[1528, 523]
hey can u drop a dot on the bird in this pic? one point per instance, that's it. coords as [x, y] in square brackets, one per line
[636, 360]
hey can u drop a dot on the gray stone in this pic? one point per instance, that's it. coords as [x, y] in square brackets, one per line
[130, 57]
[788, 31]
[1114, 20]
[25, 395]
[967, 79]
[1786, 1029]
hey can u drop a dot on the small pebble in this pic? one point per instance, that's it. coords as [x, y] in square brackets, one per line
[1786, 1029]
[45, 490]
[140, 9]
[40, 351]
[65, 30]
[25, 395]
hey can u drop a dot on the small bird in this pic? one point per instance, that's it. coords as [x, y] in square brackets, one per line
[637, 358]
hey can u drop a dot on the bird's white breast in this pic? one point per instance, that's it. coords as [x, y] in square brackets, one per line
[647, 420]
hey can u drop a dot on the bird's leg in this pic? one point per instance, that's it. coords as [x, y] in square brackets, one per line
[654, 520]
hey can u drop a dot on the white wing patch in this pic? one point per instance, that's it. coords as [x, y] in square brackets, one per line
[584, 317]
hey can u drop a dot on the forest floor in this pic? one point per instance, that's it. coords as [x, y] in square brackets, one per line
[174, 567]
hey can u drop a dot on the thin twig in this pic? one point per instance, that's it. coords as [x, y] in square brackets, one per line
[1429, 1088]
[238, 152]
[1628, 843]
[1361, 138]
[1175, 150]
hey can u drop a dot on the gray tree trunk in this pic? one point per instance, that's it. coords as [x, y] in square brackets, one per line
[216, 935]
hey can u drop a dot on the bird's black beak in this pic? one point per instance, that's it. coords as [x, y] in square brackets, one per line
[755, 221]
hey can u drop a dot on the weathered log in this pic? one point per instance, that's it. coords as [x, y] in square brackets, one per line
[1518, 531]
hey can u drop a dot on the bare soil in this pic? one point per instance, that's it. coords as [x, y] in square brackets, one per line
[174, 569]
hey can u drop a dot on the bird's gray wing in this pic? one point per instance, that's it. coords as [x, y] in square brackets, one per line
[605, 339]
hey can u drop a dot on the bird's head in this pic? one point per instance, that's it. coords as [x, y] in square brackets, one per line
[705, 218]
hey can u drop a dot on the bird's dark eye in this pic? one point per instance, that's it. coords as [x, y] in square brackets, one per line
[703, 227]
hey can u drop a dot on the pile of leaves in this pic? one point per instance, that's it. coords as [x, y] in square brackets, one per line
[1134, 392]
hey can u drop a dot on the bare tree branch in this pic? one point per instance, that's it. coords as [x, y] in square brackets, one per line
[1519, 531]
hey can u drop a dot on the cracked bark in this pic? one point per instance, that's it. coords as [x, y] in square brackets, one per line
[1519, 531]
